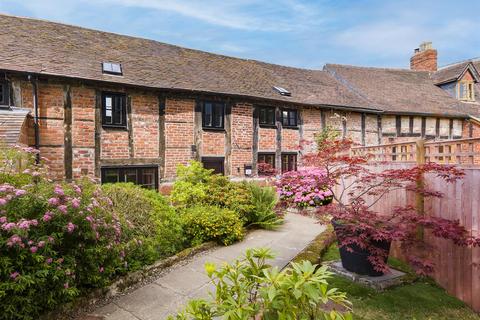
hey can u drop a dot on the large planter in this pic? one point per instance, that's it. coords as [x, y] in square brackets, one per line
[357, 260]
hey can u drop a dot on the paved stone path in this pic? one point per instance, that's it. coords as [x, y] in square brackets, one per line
[170, 293]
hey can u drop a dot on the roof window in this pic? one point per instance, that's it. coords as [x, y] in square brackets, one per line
[112, 68]
[282, 91]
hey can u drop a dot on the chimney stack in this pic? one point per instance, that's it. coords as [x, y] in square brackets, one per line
[424, 58]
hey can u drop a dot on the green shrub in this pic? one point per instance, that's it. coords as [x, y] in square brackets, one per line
[207, 223]
[152, 221]
[263, 200]
[252, 203]
[251, 289]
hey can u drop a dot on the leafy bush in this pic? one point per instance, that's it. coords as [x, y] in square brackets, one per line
[251, 289]
[196, 185]
[152, 222]
[304, 188]
[55, 241]
[264, 200]
[206, 223]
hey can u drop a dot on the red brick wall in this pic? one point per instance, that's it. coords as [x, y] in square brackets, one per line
[179, 132]
[83, 131]
[242, 138]
[213, 143]
[475, 129]
[312, 125]
[145, 126]
[267, 139]
[424, 61]
[290, 140]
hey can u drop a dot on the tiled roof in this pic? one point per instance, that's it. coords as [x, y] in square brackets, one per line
[397, 90]
[43, 47]
[11, 122]
[51, 48]
[455, 71]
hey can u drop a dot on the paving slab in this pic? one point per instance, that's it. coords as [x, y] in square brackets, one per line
[169, 293]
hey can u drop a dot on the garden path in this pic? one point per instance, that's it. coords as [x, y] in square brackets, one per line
[171, 291]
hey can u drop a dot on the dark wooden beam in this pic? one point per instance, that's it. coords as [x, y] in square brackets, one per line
[131, 149]
[197, 133]
[228, 138]
[379, 129]
[424, 127]
[363, 125]
[398, 125]
[67, 133]
[323, 119]
[278, 147]
[300, 132]
[98, 131]
[161, 134]
[256, 126]
[437, 128]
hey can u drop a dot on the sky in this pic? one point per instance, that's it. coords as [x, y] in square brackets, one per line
[304, 34]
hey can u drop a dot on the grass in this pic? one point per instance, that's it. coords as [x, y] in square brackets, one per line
[418, 298]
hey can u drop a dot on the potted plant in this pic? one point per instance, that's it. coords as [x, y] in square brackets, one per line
[364, 230]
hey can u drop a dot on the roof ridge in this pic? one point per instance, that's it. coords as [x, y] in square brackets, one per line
[155, 41]
[375, 68]
[475, 59]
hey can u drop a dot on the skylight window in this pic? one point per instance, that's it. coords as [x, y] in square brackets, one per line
[282, 91]
[112, 68]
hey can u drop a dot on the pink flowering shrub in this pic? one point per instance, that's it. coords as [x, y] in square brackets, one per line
[304, 188]
[56, 240]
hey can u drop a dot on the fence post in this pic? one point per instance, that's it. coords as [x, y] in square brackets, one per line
[419, 198]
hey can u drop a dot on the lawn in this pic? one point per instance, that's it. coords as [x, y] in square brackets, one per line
[419, 298]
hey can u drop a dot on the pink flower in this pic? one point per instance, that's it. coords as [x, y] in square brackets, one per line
[8, 226]
[47, 217]
[41, 244]
[53, 201]
[50, 239]
[65, 285]
[63, 208]
[20, 192]
[3, 219]
[70, 227]
[33, 249]
[101, 269]
[14, 275]
[59, 191]
[75, 203]
[49, 260]
[3, 202]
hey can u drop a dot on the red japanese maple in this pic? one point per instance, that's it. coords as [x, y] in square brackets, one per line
[357, 185]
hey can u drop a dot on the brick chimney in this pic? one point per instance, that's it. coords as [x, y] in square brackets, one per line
[424, 58]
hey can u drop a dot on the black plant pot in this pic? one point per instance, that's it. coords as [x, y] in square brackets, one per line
[357, 260]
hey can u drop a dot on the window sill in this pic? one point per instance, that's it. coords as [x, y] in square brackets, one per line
[268, 126]
[290, 127]
[213, 129]
[113, 127]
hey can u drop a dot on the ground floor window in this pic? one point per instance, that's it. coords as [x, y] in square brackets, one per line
[266, 164]
[147, 177]
[215, 163]
[289, 162]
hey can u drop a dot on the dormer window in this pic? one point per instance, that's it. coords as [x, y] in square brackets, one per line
[112, 68]
[465, 91]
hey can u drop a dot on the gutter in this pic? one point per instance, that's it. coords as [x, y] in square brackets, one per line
[475, 119]
[35, 118]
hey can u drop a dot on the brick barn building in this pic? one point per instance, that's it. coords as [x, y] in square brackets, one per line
[128, 109]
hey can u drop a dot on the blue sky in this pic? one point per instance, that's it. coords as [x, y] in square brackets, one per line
[289, 32]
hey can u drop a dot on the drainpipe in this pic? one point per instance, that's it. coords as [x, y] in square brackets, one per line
[35, 119]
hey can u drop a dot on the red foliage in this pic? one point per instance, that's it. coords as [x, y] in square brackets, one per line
[358, 185]
[266, 169]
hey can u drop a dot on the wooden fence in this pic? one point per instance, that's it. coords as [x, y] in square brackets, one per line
[457, 269]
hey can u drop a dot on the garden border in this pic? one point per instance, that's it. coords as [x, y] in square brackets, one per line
[123, 283]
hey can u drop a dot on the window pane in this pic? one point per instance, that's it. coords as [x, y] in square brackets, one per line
[131, 175]
[117, 110]
[207, 115]
[271, 116]
[285, 118]
[148, 177]
[292, 118]
[112, 176]
[263, 116]
[1, 93]
[218, 115]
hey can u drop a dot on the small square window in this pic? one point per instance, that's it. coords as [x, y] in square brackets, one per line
[289, 118]
[213, 114]
[266, 116]
[217, 164]
[114, 110]
[465, 91]
[112, 68]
